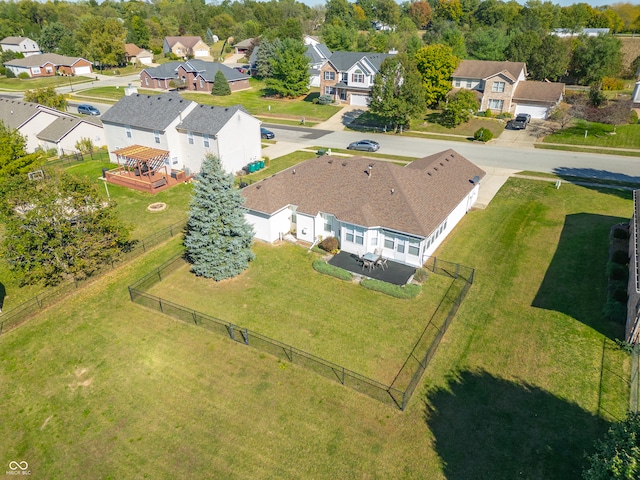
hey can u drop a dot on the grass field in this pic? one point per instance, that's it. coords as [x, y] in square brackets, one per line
[521, 386]
[597, 135]
[21, 85]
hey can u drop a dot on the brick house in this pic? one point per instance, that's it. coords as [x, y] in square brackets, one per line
[49, 64]
[502, 87]
[195, 75]
[348, 76]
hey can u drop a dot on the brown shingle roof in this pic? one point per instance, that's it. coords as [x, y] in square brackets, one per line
[188, 42]
[131, 49]
[483, 69]
[545, 92]
[415, 199]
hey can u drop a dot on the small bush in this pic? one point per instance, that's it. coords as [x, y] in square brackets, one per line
[421, 275]
[323, 267]
[483, 135]
[620, 256]
[315, 100]
[621, 233]
[488, 113]
[329, 244]
[616, 271]
[23, 75]
[610, 83]
[9, 73]
[325, 99]
[633, 116]
[504, 115]
[406, 291]
[615, 311]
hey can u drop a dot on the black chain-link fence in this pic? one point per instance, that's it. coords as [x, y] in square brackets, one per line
[11, 318]
[397, 394]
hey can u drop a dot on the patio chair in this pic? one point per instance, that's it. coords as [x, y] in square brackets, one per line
[382, 263]
[367, 264]
[378, 251]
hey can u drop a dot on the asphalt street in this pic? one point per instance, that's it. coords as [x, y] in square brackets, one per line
[588, 165]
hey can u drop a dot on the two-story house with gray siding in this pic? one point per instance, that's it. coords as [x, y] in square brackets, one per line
[348, 76]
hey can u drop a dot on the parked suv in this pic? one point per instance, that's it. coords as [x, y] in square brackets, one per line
[88, 109]
[521, 121]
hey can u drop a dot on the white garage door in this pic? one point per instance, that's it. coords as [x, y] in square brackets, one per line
[201, 53]
[82, 70]
[535, 111]
[361, 100]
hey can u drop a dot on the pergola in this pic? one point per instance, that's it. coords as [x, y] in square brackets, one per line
[140, 167]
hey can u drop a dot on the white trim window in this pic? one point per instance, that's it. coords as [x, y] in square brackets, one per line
[329, 90]
[414, 248]
[127, 129]
[354, 234]
[329, 75]
[35, 70]
[458, 83]
[205, 140]
[146, 81]
[357, 77]
[495, 104]
[469, 84]
[156, 136]
[190, 137]
[498, 87]
[327, 221]
[201, 83]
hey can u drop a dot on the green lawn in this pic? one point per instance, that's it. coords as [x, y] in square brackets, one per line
[112, 94]
[597, 135]
[256, 103]
[276, 165]
[20, 85]
[371, 333]
[520, 387]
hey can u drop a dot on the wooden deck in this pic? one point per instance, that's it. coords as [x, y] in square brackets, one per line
[154, 183]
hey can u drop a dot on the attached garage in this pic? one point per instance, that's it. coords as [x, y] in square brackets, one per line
[82, 70]
[360, 100]
[536, 111]
[201, 53]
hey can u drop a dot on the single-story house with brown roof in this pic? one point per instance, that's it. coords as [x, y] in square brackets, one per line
[366, 204]
[49, 64]
[135, 54]
[186, 46]
[502, 87]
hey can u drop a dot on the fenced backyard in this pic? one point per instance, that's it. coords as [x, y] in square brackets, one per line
[397, 394]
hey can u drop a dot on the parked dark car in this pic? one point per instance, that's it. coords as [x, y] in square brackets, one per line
[521, 121]
[88, 109]
[268, 134]
[365, 145]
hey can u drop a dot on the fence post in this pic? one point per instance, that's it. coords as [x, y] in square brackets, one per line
[171, 230]
[435, 262]
[195, 317]
[231, 331]
[246, 336]
[130, 294]
[160, 302]
[457, 269]
[38, 301]
[143, 247]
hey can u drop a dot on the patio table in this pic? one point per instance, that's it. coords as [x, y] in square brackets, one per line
[371, 257]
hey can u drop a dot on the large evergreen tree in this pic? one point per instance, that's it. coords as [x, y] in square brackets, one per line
[397, 94]
[218, 238]
[220, 85]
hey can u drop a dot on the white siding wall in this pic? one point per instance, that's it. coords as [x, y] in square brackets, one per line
[239, 142]
[269, 228]
[34, 126]
[305, 228]
[83, 130]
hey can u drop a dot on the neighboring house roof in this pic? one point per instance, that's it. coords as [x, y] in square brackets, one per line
[247, 43]
[591, 32]
[317, 53]
[166, 70]
[131, 49]
[208, 119]
[208, 70]
[188, 42]
[483, 69]
[14, 40]
[371, 61]
[545, 92]
[414, 199]
[253, 58]
[15, 113]
[39, 60]
[61, 127]
[152, 112]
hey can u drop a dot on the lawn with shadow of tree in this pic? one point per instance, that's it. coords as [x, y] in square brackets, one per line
[489, 428]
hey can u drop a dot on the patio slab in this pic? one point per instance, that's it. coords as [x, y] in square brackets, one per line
[396, 273]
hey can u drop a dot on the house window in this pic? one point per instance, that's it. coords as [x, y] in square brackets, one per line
[345, 77]
[468, 83]
[156, 136]
[127, 129]
[497, 87]
[495, 104]
[329, 75]
[146, 81]
[388, 242]
[357, 77]
[205, 140]
[327, 222]
[329, 90]
[458, 82]
[201, 84]
[190, 137]
[414, 248]
[354, 235]
[35, 70]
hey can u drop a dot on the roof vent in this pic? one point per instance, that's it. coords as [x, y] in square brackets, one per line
[258, 187]
[435, 168]
[441, 164]
[429, 173]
